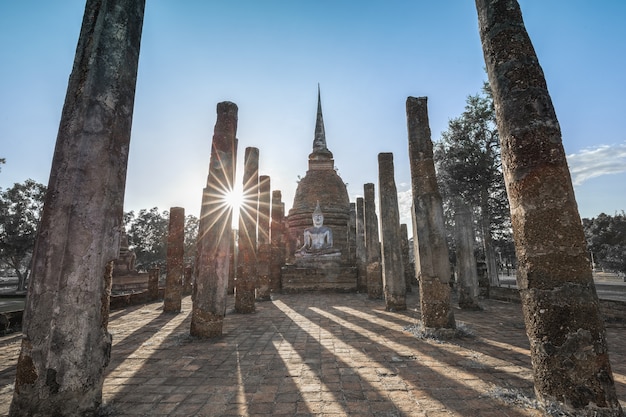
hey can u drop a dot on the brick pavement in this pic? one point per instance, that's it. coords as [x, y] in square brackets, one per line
[317, 355]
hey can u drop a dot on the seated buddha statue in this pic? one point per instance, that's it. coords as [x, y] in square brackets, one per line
[318, 240]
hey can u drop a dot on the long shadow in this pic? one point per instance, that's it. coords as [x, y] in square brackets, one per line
[407, 368]
[124, 343]
[350, 388]
[240, 373]
[479, 345]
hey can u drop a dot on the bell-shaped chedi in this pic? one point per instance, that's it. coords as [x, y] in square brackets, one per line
[321, 185]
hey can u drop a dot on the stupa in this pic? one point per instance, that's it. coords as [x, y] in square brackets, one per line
[320, 205]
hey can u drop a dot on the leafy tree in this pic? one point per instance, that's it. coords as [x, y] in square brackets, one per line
[20, 212]
[606, 240]
[468, 166]
[147, 237]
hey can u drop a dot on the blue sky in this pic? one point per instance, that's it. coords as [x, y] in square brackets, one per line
[268, 57]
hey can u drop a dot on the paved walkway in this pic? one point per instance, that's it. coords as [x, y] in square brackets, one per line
[317, 355]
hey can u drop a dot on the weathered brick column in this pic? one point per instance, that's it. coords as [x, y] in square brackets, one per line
[406, 260]
[563, 321]
[467, 275]
[352, 235]
[247, 255]
[372, 245]
[172, 296]
[361, 251]
[214, 229]
[153, 283]
[278, 240]
[429, 235]
[65, 342]
[391, 246]
[264, 247]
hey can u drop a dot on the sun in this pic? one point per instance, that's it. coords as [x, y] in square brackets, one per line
[234, 198]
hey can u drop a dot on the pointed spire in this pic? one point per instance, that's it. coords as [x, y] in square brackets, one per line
[319, 143]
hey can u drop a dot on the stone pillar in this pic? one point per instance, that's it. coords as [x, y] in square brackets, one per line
[187, 280]
[215, 229]
[467, 274]
[247, 255]
[172, 296]
[232, 262]
[277, 239]
[153, 283]
[264, 247]
[406, 260]
[563, 321]
[372, 244]
[361, 252]
[391, 246]
[352, 235]
[431, 250]
[65, 342]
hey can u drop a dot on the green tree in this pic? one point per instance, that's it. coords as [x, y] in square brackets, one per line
[20, 212]
[606, 240]
[468, 167]
[147, 237]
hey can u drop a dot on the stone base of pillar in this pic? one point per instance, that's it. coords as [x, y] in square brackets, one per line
[244, 301]
[205, 324]
[435, 305]
[337, 278]
[395, 302]
[263, 286]
[374, 281]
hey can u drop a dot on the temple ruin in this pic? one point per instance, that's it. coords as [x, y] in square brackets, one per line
[325, 244]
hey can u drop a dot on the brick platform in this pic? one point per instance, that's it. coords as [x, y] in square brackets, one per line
[317, 354]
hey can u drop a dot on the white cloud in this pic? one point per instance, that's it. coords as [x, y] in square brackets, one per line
[594, 162]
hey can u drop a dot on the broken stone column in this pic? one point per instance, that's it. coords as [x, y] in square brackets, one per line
[467, 274]
[431, 250]
[187, 280]
[372, 244]
[215, 229]
[361, 252]
[65, 343]
[406, 260]
[232, 265]
[172, 296]
[247, 256]
[264, 246]
[563, 321]
[391, 246]
[277, 239]
[153, 283]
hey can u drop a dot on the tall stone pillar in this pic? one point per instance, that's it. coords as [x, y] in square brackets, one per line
[247, 255]
[352, 235]
[372, 244]
[172, 296]
[232, 263]
[431, 250]
[65, 342]
[467, 275]
[391, 246]
[563, 321]
[153, 283]
[361, 252]
[264, 246]
[406, 260]
[215, 229]
[277, 239]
